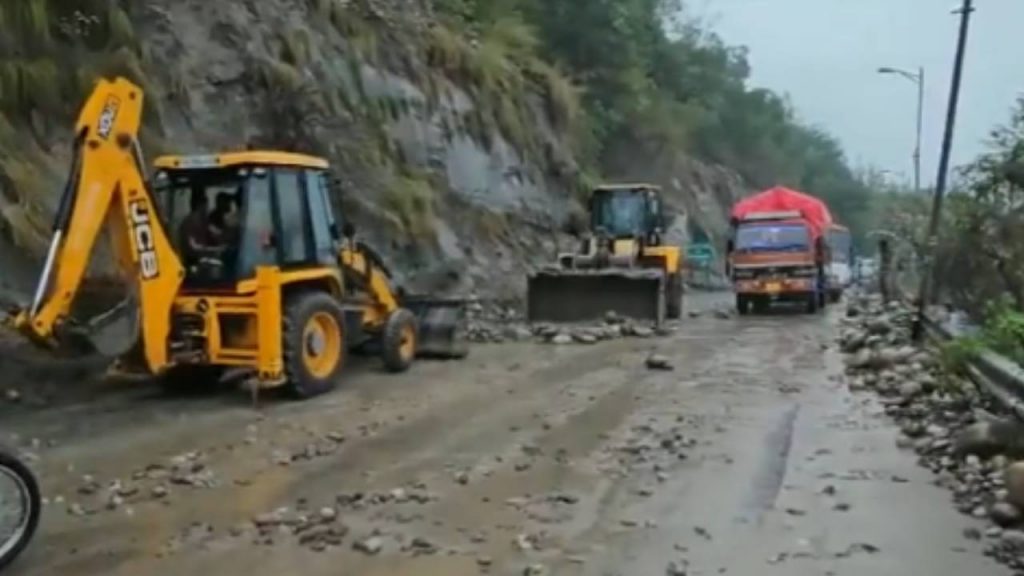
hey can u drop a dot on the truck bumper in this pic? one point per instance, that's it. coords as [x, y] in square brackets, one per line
[777, 290]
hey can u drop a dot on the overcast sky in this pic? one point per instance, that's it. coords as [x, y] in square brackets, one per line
[824, 54]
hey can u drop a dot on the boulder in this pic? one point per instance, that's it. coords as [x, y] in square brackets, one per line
[561, 339]
[1005, 514]
[1013, 479]
[988, 438]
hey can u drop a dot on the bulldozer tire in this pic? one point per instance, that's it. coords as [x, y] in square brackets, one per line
[314, 343]
[674, 297]
[190, 379]
[399, 340]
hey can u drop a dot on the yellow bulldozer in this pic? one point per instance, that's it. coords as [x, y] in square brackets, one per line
[623, 264]
[282, 294]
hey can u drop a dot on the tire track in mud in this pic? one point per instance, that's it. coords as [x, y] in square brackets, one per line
[767, 480]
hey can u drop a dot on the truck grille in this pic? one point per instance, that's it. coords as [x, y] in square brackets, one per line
[773, 272]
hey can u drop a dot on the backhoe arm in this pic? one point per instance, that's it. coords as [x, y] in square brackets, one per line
[106, 185]
[362, 264]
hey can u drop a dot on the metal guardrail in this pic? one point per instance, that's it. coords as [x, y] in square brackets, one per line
[994, 374]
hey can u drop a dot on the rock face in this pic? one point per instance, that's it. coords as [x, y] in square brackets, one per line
[455, 199]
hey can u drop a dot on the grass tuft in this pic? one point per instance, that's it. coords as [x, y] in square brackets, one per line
[411, 199]
[296, 47]
[120, 31]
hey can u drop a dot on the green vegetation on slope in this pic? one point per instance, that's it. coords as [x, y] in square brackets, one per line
[655, 84]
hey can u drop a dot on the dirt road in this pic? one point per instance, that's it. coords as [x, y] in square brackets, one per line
[749, 458]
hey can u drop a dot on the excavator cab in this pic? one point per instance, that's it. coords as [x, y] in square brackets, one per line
[234, 262]
[622, 265]
[232, 213]
[623, 212]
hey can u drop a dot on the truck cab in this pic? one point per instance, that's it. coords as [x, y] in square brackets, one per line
[776, 257]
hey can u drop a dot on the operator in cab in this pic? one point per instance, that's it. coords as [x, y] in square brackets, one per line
[224, 230]
[198, 247]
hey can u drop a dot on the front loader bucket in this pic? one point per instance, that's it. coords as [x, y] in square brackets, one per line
[442, 327]
[578, 296]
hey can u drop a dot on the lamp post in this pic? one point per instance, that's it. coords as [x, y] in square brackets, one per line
[947, 148]
[916, 78]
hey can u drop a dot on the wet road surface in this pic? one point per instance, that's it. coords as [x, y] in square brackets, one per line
[750, 457]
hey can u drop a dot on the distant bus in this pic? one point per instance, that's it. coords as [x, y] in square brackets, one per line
[840, 266]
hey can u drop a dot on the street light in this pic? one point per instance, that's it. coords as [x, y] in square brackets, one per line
[918, 79]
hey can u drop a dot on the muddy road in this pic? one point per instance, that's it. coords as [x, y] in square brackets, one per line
[750, 457]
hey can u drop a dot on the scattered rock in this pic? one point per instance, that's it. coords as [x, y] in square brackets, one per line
[371, 545]
[561, 339]
[643, 332]
[972, 533]
[659, 362]
[676, 569]
[328, 514]
[910, 389]
[13, 395]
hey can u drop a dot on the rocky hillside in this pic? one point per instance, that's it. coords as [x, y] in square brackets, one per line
[457, 161]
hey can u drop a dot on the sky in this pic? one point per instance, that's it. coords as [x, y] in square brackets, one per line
[825, 53]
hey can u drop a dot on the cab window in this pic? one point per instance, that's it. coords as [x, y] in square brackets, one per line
[292, 214]
[323, 238]
[257, 247]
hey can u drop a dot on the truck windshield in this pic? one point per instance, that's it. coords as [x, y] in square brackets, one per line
[621, 214]
[772, 237]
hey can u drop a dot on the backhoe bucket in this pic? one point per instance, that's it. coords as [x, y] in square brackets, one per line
[579, 296]
[442, 327]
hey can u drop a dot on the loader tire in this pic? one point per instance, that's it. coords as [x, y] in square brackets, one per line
[674, 297]
[399, 340]
[313, 343]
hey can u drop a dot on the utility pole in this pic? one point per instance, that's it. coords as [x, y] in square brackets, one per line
[941, 180]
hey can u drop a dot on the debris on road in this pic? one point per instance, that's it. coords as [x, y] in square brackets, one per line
[370, 546]
[497, 323]
[659, 362]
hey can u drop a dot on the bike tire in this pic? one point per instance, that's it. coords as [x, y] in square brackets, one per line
[29, 488]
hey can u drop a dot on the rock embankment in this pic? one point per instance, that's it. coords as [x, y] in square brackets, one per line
[974, 448]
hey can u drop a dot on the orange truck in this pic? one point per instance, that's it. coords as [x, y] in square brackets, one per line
[778, 251]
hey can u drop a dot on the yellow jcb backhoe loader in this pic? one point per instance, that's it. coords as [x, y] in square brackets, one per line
[623, 264]
[282, 295]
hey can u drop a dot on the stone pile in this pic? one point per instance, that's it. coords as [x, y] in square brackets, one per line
[969, 444]
[498, 323]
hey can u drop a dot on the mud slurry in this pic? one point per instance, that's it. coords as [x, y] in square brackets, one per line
[748, 457]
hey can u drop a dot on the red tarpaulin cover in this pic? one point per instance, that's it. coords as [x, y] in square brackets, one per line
[781, 199]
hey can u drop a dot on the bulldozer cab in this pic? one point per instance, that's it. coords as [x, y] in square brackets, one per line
[626, 211]
[231, 213]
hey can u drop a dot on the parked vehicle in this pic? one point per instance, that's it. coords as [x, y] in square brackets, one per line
[839, 270]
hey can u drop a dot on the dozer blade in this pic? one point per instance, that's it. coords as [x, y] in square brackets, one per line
[578, 296]
[442, 327]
